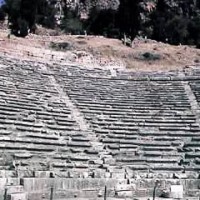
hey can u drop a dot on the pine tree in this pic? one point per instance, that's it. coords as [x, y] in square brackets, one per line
[129, 17]
[46, 13]
[21, 15]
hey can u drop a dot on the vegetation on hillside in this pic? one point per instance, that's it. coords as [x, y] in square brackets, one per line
[171, 21]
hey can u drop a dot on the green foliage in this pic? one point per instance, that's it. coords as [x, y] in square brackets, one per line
[2, 14]
[23, 27]
[46, 14]
[169, 21]
[149, 56]
[73, 26]
[194, 31]
[71, 23]
[21, 15]
[129, 17]
[177, 29]
[103, 22]
[63, 46]
[175, 23]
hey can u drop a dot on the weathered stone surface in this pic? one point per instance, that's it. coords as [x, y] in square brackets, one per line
[17, 196]
[97, 130]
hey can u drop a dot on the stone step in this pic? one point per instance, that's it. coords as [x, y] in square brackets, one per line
[161, 154]
[79, 144]
[42, 136]
[196, 139]
[60, 128]
[166, 167]
[139, 167]
[131, 160]
[192, 155]
[179, 129]
[192, 144]
[23, 155]
[171, 121]
[17, 196]
[19, 146]
[15, 189]
[162, 160]
[167, 125]
[22, 107]
[123, 128]
[7, 139]
[122, 136]
[158, 148]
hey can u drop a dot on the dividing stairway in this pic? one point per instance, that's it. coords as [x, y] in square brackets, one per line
[144, 125]
[38, 128]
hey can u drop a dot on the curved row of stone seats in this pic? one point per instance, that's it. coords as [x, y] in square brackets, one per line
[36, 125]
[191, 71]
[137, 118]
[194, 72]
[79, 71]
[195, 85]
[113, 73]
[148, 122]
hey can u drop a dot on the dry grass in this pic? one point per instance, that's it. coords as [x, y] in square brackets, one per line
[172, 57]
[36, 47]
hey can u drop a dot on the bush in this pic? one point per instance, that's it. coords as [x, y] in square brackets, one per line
[63, 46]
[19, 27]
[102, 22]
[46, 14]
[194, 31]
[23, 28]
[71, 23]
[177, 29]
[148, 56]
[73, 26]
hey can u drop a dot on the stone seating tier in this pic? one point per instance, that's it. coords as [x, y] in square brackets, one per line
[96, 121]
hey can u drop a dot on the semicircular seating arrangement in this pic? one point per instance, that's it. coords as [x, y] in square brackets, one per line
[76, 123]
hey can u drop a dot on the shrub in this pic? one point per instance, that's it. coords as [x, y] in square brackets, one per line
[102, 22]
[71, 23]
[148, 56]
[73, 26]
[177, 29]
[62, 46]
[194, 31]
[46, 14]
[23, 28]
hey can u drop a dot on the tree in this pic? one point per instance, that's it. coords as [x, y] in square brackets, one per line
[194, 30]
[102, 22]
[177, 30]
[129, 17]
[71, 22]
[46, 13]
[2, 14]
[21, 15]
[24, 14]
